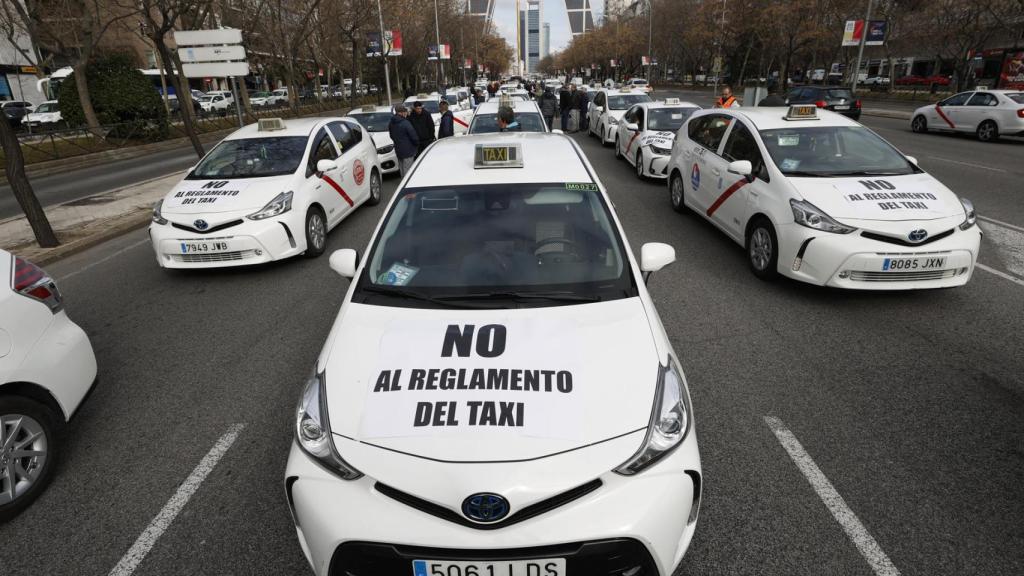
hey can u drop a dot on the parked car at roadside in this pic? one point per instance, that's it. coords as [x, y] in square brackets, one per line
[15, 110]
[46, 115]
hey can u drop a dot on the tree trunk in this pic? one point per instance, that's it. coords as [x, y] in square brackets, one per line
[181, 88]
[82, 84]
[22, 188]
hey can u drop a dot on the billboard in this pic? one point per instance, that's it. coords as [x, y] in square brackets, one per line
[854, 31]
[373, 45]
[446, 52]
[392, 44]
[1012, 75]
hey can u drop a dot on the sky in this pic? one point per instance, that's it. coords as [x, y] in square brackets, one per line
[554, 14]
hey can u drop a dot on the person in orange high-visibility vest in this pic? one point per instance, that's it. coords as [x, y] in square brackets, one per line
[727, 100]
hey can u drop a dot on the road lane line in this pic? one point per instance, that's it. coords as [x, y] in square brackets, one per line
[860, 536]
[130, 561]
[102, 260]
[982, 166]
[1001, 223]
[1000, 273]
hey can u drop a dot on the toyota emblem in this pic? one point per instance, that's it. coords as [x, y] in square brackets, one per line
[485, 507]
[200, 224]
[917, 235]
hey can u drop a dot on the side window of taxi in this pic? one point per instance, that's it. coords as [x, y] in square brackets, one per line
[323, 149]
[983, 99]
[345, 135]
[956, 100]
[630, 115]
[709, 130]
[639, 118]
[742, 146]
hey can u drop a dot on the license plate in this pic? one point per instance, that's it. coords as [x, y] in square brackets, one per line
[842, 107]
[203, 247]
[908, 264]
[541, 567]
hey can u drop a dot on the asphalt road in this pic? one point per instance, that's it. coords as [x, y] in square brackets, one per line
[910, 404]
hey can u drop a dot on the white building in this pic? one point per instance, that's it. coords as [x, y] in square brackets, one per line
[545, 40]
[17, 75]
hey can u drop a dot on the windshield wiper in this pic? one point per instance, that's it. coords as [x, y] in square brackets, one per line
[863, 173]
[414, 295]
[802, 174]
[512, 295]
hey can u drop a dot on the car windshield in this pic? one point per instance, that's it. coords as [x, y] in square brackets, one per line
[428, 105]
[48, 107]
[667, 119]
[833, 151]
[374, 122]
[206, 99]
[639, 82]
[261, 95]
[622, 102]
[452, 98]
[252, 158]
[488, 123]
[1017, 97]
[525, 244]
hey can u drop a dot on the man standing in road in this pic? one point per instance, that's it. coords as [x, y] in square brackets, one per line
[582, 106]
[447, 126]
[773, 98]
[404, 137]
[548, 104]
[423, 123]
[565, 104]
[727, 100]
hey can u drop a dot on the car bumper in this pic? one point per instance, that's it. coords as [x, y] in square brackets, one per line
[656, 166]
[63, 362]
[652, 516]
[251, 242]
[609, 133]
[855, 262]
[388, 163]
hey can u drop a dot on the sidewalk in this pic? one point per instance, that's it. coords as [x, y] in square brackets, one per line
[86, 222]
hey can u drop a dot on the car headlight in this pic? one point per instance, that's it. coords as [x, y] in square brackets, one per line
[313, 431]
[279, 205]
[971, 217]
[807, 214]
[661, 151]
[157, 216]
[613, 121]
[670, 422]
[385, 149]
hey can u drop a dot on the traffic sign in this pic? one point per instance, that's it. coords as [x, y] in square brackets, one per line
[207, 37]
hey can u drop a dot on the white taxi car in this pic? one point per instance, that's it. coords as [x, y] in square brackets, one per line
[527, 114]
[988, 114]
[645, 135]
[640, 84]
[47, 369]
[268, 191]
[376, 120]
[817, 197]
[432, 104]
[606, 109]
[497, 392]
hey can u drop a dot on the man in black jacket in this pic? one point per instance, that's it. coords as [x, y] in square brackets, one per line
[446, 127]
[548, 105]
[565, 104]
[403, 136]
[423, 123]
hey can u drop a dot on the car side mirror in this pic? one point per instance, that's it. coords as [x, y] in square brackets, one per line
[557, 131]
[344, 261]
[326, 165]
[911, 159]
[632, 127]
[743, 168]
[653, 257]
[599, 109]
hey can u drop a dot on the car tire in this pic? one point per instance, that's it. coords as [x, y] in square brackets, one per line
[763, 249]
[640, 165]
[919, 124]
[316, 232]
[677, 192]
[618, 153]
[34, 418]
[988, 131]
[376, 188]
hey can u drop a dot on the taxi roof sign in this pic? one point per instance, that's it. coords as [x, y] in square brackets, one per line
[802, 112]
[498, 156]
[671, 100]
[270, 124]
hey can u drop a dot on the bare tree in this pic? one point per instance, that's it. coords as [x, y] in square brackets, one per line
[15, 169]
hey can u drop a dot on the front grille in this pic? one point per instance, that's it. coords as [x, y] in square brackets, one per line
[615, 557]
[516, 517]
[214, 257]
[208, 230]
[867, 276]
[903, 241]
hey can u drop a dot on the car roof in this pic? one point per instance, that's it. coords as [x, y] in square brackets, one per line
[491, 106]
[663, 104]
[293, 127]
[547, 157]
[370, 109]
[424, 97]
[771, 117]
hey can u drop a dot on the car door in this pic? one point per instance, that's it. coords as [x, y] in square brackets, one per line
[635, 136]
[356, 150]
[946, 115]
[327, 188]
[980, 107]
[595, 110]
[706, 166]
[738, 195]
[623, 134]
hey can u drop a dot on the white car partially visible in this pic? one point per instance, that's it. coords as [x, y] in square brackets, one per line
[47, 368]
[46, 114]
[988, 114]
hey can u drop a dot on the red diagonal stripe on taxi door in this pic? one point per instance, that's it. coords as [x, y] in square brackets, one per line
[630, 145]
[337, 187]
[944, 117]
[456, 118]
[725, 195]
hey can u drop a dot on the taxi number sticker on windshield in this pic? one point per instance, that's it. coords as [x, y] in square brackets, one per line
[203, 247]
[582, 186]
[540, 567]
[397, 275]
[909, 264]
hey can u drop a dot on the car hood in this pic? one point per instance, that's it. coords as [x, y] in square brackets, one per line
[212, 196]
[889, 198]
[617, 114]
[661, 139]
[381, 139]
[576, 376]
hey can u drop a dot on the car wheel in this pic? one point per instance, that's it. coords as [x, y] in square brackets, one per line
[988, 131]
[919, 124]
[28, 440]
[640, 165]
[316, 232]
[676, 193]
[375, 188]
[762, 250]
[618, 153]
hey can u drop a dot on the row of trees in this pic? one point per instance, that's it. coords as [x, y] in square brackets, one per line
[755, 38]
[289, 43]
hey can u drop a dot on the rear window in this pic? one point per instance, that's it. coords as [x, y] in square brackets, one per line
[840, 93]
[488, 123]
[1017, 97]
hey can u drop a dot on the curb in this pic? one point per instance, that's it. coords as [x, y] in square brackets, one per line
[887, 114]
[115, 227]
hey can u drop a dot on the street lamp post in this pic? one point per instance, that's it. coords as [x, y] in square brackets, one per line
[718, 71]
[437, 36]
[860, 49]
[383, 54]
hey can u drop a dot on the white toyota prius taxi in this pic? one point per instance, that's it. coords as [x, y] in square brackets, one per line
[268, 191]
[645, 135]
[817, 197]
[497, 395]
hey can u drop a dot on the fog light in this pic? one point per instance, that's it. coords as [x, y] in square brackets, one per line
[259, 252]
[796, 263]
[844, 274]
